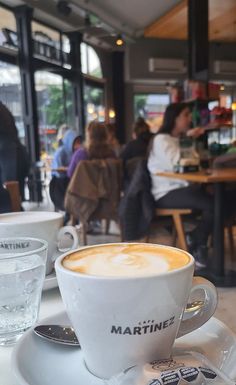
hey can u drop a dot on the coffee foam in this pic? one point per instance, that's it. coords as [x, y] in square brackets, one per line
[125, 260]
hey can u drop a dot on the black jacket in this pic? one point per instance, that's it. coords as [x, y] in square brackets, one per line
[137, 205]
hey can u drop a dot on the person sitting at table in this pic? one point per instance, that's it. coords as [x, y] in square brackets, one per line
[63, 154]
[175, 193]
[96, 147]
[60, 180]
[138, 146]
[14, 158]
[136, 149]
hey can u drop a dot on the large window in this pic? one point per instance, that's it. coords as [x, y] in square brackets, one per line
[94, 97]
[8, 37]
[10, 94]
[151, 107]
[94, 103]
[55, 108]
[90, 61]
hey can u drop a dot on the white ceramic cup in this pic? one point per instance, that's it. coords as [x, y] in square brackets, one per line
[39, 224]
[125, 321]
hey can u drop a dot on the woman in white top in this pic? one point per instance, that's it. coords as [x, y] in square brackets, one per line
[176, 193]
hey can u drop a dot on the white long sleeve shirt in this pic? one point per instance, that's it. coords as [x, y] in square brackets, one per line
[164, 155]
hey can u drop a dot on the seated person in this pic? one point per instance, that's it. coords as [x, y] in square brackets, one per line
[136, 148]
[96, 147]
[139, 145]
[14, 159]
[177, 193]
[62, 156]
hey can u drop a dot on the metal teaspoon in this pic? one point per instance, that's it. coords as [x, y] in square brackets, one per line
[57, 333]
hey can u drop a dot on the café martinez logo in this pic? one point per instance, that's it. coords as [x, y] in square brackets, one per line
[143, 327]
[14, 245]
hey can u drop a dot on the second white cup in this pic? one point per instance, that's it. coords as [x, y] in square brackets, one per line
[39, 224]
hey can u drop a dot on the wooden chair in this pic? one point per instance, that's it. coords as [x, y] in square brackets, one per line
[89, 176]
[14, 191]
[176, 215]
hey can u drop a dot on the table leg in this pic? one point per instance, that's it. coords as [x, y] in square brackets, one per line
[217, 273]
[218, 231]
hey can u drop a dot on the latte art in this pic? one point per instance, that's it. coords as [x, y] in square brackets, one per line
[125, 260]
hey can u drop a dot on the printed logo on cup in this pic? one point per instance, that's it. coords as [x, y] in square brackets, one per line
[145, 327]
[14, 246]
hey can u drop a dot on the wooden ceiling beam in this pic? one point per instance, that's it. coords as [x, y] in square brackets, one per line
[174, 24]
[161, 24]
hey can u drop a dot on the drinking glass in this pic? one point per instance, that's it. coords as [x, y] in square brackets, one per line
[22, 273]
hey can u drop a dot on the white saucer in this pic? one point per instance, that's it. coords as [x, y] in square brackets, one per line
[50, 281]
[38, 362]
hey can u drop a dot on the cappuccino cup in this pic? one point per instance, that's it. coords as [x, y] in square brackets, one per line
[39, 224]
[127, 302]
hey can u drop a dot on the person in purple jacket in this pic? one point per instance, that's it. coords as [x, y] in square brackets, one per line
[96, 147]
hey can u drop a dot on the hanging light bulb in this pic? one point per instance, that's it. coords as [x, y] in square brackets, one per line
[119, 40]
[112, 114]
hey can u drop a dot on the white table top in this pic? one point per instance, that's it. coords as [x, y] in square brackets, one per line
[51, 303]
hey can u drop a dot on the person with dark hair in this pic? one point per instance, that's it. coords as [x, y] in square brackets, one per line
[96, 147]
[136, 150]
[14, 159]
[139, 145]
[165, 153]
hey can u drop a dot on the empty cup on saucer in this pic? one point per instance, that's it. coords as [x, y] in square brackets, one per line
[40, 224]
[22, 273]
[127, 301]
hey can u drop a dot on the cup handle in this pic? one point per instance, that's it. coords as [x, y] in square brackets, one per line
[199, 312]
[68, 230]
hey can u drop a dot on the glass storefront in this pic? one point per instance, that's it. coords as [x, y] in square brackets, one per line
[151, 107]
[90, 61]
[8, 37]
[55, 108]
[94, 103]
[10, 94]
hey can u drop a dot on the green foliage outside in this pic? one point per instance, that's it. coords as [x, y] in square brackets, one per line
[59, 112]
[140, 101]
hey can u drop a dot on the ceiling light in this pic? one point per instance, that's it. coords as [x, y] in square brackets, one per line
[112, 114]
[119, 40]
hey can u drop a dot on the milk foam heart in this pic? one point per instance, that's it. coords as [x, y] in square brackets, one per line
[125, 260]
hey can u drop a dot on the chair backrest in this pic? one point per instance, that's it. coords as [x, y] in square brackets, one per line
[14, 192]
[131, 166]
[94, 190]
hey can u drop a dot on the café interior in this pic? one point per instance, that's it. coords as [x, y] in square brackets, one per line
[100, 68]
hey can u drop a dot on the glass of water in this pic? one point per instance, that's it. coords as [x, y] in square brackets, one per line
[22, 273]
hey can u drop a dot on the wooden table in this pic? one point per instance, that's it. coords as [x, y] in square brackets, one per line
[218, 273]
